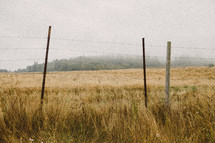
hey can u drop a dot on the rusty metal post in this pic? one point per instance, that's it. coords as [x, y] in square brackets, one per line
[144, 71]
[45, 66]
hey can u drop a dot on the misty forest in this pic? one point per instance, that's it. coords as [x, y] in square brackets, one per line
[110, 63]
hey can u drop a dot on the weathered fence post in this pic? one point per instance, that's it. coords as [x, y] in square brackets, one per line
[168, 63]
[45, 65]
[144, 71]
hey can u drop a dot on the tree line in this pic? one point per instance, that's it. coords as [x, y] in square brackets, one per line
[110, 63]
[92, 63]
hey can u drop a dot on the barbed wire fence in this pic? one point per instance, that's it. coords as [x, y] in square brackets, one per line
[69, 49]
[133, 46]
[110, 50]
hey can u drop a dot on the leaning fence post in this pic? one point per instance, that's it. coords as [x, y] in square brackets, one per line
[168, 63]
[144, 71]
[45, 65]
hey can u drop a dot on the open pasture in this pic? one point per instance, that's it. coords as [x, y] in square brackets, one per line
[108, 106]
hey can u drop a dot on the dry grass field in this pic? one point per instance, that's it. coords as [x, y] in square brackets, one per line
[108, 106]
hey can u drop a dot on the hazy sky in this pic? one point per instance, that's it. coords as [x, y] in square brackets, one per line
[186, 23]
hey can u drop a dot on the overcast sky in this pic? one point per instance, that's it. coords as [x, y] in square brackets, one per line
[186, 23]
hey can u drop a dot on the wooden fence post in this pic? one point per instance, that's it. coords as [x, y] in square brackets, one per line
[45, 65]
[168, 63]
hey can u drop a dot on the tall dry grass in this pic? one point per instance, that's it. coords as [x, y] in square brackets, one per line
[108, 106]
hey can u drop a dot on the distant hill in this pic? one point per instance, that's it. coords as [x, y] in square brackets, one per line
[93, 63]
[3, 70]
[112, 63]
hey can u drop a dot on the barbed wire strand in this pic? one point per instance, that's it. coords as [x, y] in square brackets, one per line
[111, 54]
[105, 42]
